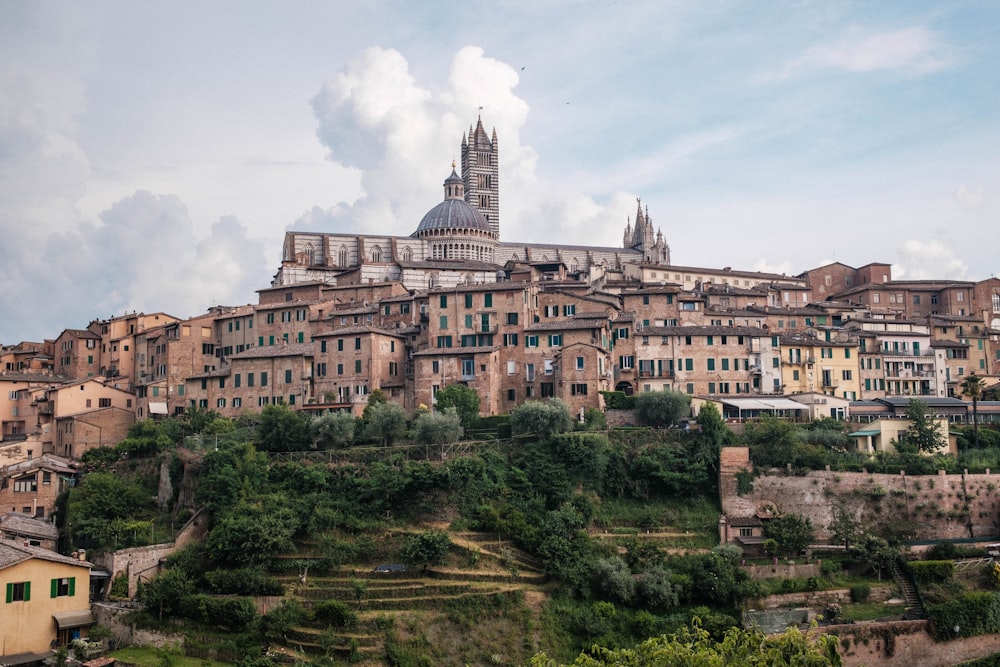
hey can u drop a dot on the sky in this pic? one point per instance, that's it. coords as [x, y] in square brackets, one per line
[153, 154]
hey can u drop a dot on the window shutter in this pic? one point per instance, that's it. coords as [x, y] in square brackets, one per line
[54, 589]
[10, 593]
[27, 591]
[72, 586]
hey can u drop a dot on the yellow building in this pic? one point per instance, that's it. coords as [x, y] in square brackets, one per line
[820, 361]
[881, 436]
[46, 599]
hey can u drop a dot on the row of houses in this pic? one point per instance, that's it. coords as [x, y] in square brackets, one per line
[536, 332]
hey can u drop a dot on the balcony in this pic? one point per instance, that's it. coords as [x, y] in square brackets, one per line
[654, 374]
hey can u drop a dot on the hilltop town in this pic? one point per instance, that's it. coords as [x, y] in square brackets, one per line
[347, 316]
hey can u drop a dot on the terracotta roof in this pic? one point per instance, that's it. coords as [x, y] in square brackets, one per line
[12, 553]
[23, 524]
[289, 350]
[574, 324]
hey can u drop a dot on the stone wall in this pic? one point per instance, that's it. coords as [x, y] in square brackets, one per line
[936, 506]
[145, 562]
[782, 570]
[907, 643]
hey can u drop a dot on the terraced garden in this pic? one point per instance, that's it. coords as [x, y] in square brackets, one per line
[481, 608]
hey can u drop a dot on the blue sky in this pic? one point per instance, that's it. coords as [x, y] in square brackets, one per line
[153, 154]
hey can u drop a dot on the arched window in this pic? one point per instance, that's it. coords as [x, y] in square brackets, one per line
[432, 280]
[342, 256]
[996, 303]
[376, 254]
[407, 254]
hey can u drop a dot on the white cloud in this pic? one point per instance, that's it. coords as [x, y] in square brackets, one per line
[376, 116]
[767, 266]
[969, 197]
[914, 50]
[926, 260]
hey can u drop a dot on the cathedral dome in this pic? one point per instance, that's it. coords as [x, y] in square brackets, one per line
[453, 214]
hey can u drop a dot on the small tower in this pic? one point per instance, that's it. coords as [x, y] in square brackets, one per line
[643, 238]
[480, 173]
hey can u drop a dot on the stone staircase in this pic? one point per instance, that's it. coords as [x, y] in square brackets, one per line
[914, 602]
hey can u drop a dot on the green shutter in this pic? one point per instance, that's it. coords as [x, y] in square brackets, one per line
[10, 593]
[27, 591]
[72, 586]
[54, 589]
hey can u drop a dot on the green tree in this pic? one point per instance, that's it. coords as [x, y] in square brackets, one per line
[923, 436]
[662, 408]
[973, 386]
[464, 399]
[594, 420]
[375, 398]
[165, 591]
[250, 535]
[695, 647]
[874, 551]
[437, 428]
[791, 532]
[844, 527]
[282, 429]
[612, 579]
[333, 430]
[385, 422]
[712, 437]
[427, 548]
[100, 507]
[544, 419]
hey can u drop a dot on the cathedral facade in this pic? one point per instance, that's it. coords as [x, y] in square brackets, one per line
[458, 241]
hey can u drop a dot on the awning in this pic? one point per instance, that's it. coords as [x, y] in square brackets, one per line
[157, 408]
[762, 403]
[23, 659]
[74, 619]
[866, 433]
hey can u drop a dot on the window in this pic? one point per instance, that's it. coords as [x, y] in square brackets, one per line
[19, 592]
[511, 367]
[357, 365]
[104, 402]
[444, 301]
[529, 373]
[220, 402]
[237, 402]
[468, 321]
[569, 309]
[488, 300]
[846, 375]
[263, 379]
[468, 368]
[444, 322]
[435, 367]
[579, 363]
[510, 340]
[288, 376]
[28, 484]
[555, 340]
[578, 389]
[626, 361]
[511, 318]
[531, 341]
[711, 366]
[444, 341]
[357, 343]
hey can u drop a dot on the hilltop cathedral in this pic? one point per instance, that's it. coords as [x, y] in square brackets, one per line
[458, 241]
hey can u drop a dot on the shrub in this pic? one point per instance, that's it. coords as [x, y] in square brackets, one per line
[972, 614]
[544, 419]
[335, 613]
[660, 408]
[931, 571]
[860, 593]
[617, 400]
[243, 581]
[233, 613]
